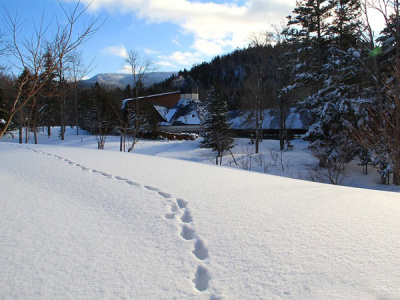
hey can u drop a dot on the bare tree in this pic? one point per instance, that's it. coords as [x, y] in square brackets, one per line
[266, 79]
[255, 99]
[140, 70]
[380, 134]
[78, 71]
[29, 53]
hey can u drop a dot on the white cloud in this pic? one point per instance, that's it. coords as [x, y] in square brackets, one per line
[150, 51]
[125, 69]
[176, 41]
[215, 28]
[210, 48]
[207, 21]
[163, 63]
[119, 51]
[180, 58]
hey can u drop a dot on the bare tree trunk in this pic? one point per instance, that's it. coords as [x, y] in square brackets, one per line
[76, 109]
[258, 117]
[28, 53]
[35, 136]
[281, 126]
[20, 127]
[26, 134]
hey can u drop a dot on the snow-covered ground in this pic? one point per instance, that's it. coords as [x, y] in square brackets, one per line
[77, 222]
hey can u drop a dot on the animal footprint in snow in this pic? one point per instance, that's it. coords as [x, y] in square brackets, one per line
[106, 175]
[200, 251]
[150, 188]
[174, 208]
[187, 233]
[130, 182]
[201, 278]
[186, 217]
[181, 203]
[164, 195]
[170, 216]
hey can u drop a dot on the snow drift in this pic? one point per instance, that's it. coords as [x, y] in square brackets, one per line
[83, 223]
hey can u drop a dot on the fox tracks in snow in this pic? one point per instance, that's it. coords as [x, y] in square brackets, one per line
[178, 212]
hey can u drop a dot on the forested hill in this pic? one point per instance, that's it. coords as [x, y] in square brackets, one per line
[237, 75]
[120, 80]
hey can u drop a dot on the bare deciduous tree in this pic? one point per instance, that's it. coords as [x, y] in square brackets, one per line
[380, 134]
[28, 53]
[140, 70]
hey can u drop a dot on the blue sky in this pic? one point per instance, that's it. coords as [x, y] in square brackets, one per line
[173, 34]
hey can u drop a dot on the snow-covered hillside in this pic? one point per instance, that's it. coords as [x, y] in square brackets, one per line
[76, 222]
[114, 80]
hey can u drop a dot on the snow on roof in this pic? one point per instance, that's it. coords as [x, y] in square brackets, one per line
[296, 119]
[152, 96]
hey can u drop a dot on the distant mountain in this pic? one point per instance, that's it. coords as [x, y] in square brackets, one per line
[114, 80]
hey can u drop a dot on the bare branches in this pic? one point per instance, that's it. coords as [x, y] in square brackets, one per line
[29, 52]
[140, 70]
[261, 38]
[138, 67]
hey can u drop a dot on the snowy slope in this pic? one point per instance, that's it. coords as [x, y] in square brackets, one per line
[114, 80]
[83, 223]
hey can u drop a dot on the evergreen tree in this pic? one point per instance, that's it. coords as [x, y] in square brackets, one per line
[100, 116]
[309, 29]
[307, 38]
[3, 109]
[128, 93]
[335, 106]
[216, 134]
[46, 102]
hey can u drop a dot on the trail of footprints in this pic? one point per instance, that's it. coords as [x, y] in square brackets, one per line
[178, 212]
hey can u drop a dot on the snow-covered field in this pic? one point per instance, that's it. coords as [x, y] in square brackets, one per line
[77, 222]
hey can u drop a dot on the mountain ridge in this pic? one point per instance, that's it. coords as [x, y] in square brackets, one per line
[121, 80]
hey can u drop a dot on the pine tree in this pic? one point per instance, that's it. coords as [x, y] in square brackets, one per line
[307, 36]
[4, 107]
[48, 104]
[100, 116]
[216, 134]
[335, 105]
[309, 29]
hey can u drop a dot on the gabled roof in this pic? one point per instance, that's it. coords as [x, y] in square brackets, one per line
[165, 99]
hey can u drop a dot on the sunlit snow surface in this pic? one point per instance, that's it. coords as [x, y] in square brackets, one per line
[80, 223]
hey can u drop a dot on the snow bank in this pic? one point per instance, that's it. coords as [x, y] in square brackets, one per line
[83, 223]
